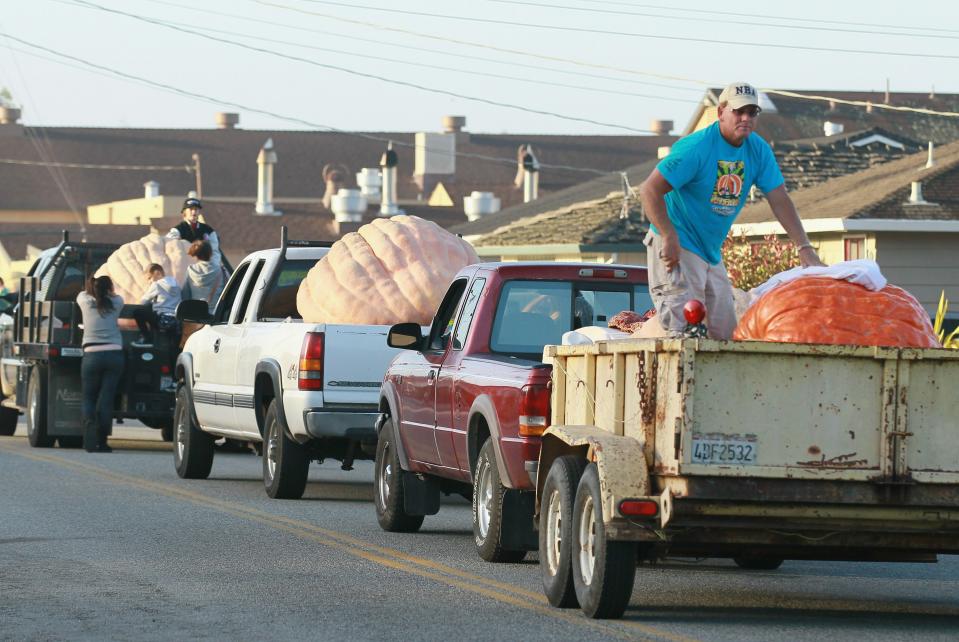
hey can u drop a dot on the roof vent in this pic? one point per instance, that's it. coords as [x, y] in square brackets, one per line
[930, 161]
[370, 180]
[265, 161]
[661, 127]
[915, 198]
[831, 129]
[226, 120]
[348, 206]
[9, 115]
[151, 189]
[453, 124]
[334, 177]
[479, 204]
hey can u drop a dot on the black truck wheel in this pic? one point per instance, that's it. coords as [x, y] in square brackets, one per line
[489, 526]
[166, 431]
[8, 421]
[555, 530]
[72, 441]
[286, 464]
[388, 486]
[603, 571]
[192, 448]
[166, 426]
[37, 409]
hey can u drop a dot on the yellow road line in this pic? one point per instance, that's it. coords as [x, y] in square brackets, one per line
[384, 556]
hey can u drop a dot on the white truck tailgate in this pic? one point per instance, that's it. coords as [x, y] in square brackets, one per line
[354, 361]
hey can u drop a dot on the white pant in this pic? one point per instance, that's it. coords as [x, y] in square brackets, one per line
[693, 279]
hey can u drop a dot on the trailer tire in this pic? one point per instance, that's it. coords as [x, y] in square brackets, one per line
[758, 562]
[286, 464]
[192, 448]
[8, 421]
[603, 571]
[556, 528]
[388, 486]
[489, 495]
[37, 409]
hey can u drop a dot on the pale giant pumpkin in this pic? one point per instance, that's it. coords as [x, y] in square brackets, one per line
[389, 271]
[128, 262]
[833, 311]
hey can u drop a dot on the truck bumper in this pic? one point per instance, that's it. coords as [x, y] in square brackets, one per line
[346, 423]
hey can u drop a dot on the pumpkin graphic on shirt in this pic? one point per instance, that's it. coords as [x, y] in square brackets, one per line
[730, 176]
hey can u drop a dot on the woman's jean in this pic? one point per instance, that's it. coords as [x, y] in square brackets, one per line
[100, 373]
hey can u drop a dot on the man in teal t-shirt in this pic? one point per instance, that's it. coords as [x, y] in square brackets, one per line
[692, 198]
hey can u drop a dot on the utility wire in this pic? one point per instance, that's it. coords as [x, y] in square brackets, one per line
[773, 17]
[272, 114]
[633, 34]
[153, 168]
[817, 28]
[379, 42]
[353, 72]
[862, 103]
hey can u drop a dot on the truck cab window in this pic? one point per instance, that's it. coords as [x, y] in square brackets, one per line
[225, 305]
[247, 293]
[280, 302]
[442, 328]
[466, 318]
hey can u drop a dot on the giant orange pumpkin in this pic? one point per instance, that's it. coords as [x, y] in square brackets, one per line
[823, 310]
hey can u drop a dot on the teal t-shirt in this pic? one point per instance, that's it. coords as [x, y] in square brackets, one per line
[711, 180]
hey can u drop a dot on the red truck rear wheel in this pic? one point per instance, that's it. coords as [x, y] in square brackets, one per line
[489, 526]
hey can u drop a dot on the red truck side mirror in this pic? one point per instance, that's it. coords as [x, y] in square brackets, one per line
[408, 336]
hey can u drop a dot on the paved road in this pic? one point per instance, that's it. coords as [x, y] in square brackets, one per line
[115, 546]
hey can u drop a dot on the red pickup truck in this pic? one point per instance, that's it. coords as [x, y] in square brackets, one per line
[463, 408]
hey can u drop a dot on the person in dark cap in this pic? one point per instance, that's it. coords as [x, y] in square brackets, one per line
[191, 229]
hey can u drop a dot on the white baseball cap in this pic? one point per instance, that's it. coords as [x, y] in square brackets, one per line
[739, 94]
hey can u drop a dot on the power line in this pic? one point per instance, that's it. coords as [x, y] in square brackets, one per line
[773, 17]
[153, 168]
[632, 34]
[271, 114]
[379, 42]
[353, 72]
[727, 21]
[861, 103]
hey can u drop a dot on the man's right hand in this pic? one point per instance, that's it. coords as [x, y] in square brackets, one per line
[670, 251]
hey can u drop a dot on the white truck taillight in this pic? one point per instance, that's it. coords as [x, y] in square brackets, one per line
[310, 376]
[534, 410]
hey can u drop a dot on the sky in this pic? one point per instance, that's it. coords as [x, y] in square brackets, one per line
[508, 66]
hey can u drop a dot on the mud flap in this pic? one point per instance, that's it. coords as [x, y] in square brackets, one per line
[518, 532]
[420, 496]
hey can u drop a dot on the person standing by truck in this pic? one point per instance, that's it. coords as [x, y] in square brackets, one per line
[204, 279]
[692, 198]
[102, 363]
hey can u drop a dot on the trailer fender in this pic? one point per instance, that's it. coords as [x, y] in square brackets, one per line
[622, 465]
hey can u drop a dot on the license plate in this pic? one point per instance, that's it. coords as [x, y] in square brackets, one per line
[718, 448]
[71, 352]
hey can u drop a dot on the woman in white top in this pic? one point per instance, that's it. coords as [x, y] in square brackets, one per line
[102, 363]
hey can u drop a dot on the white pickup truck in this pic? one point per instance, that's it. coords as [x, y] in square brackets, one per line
[257, 372]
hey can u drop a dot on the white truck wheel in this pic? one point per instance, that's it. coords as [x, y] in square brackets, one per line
[286, 465]
[192, 448]
[603, 570]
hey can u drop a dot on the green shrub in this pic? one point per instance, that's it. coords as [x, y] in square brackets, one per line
[750, 262]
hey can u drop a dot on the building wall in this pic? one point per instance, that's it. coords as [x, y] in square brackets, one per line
[922, 264]
[136, 211]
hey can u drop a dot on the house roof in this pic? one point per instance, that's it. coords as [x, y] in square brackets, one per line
[879, 192]
[595, 189]
[796, 118]
[589, 223]
[15, 237]
[228, 162]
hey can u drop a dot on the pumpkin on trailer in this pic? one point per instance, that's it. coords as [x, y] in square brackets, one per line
[833, 311]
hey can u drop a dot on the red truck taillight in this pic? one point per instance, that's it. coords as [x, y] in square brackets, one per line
[534, 410]
[311, 362]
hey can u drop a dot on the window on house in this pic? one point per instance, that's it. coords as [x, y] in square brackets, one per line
[855, 248]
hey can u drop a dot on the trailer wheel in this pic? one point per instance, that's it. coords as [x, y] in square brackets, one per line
[758, 562]
[192, 448]
[388, 486]
[603, 570]
[286, 465]
[489, 495]
[37, 409]
[8, 421]
[555, 530]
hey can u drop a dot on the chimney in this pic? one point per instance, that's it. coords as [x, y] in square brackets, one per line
[932, 93]
[226, 120]
[530, 175]
[831, 129]
[434, 160]
[388, 164]
[661, 127]
[887, 91]
[454, 125]
[915, 198]
[9, 115]
[370, 180]
[348, 207]
[334, 178]
[930, 161]
[264, 182]
[479, 204]
[151, 189]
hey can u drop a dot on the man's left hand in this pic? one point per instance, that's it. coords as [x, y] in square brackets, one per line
[809, 258]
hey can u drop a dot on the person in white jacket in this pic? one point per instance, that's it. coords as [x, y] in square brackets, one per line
[164, 295]
[205, 278]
